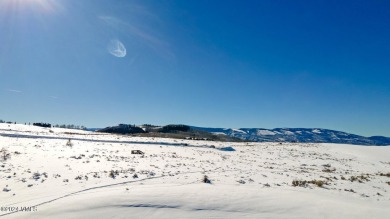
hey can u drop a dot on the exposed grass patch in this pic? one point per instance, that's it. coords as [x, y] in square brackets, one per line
[329, 170]
[304, 183]
[384, 174]
[361, 178]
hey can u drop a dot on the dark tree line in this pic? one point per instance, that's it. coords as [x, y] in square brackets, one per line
[48, 125]
[173, 128]
[123, 129]
[40, 124]
[127, 126]
[81, 127]
[9, 122]
[149, 125]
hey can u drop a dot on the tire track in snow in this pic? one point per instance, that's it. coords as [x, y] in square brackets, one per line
[109, 185]
[103, 141]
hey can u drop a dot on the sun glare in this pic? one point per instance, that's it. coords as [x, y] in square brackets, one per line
[42, 6]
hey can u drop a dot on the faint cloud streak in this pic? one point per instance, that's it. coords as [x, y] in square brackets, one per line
[14, 91]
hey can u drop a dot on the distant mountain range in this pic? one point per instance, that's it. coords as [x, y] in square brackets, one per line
[310, 135]
[177, 131]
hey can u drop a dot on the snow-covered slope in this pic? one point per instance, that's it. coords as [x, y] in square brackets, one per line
[315, 135]
[98, 177]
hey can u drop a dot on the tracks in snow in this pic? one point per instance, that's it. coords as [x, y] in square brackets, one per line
[110, 185]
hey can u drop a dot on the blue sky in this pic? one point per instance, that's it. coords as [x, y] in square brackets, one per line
[268, 64]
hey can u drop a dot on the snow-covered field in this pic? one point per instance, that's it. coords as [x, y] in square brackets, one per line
[98, 177]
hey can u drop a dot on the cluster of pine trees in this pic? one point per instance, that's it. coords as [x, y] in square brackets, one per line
[81, 127]
[41, 124]
[48, 125]
[123, 129]
[2, 121]
[173, 128]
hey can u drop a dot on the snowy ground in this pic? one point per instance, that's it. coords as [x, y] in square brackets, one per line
[45, 178]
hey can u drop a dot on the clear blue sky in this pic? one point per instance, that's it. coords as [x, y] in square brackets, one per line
[323, 64]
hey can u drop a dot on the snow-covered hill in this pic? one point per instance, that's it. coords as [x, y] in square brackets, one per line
[97, 176]
[308, 135]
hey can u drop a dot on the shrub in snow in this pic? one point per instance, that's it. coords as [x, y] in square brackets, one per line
[69, 143]
[301, 183]
[137, 152]
[384, 174]
[4, 154]
[6, 189]
[113, 173]
[326, 165]
[36, 175]
[241, 181]
[359, 178]
[329, 170]
[304, 183]
[206, 179]
[319, 183]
